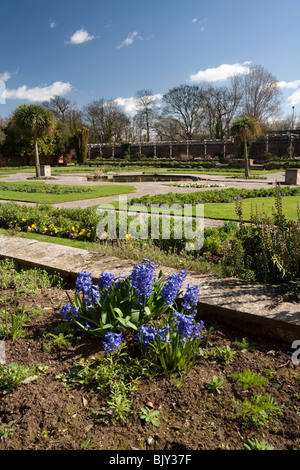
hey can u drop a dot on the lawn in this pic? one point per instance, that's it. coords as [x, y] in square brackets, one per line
[82, 245]
[5, 171]
[227, 210]
[9, 170]
[24, 192]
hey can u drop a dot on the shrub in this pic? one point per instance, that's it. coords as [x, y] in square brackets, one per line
[267, 248]
[81, 139]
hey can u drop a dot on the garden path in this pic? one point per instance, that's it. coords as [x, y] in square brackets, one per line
[151, 188]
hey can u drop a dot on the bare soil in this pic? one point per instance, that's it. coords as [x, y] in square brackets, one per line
[45, 414]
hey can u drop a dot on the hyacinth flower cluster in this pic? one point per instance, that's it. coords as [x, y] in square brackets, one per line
[172, 347]
[142, 279]
[122, 304]
[116, 303]
[172, 287]
[190, 299]
[112, 342]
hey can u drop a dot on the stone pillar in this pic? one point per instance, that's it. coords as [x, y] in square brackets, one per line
[267, 144]
[45, 171]
[292, 176]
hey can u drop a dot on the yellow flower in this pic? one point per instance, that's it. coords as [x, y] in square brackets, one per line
[88, 235]
[24, 220]
[32, 225]
[55, 231]
[73, 228]
[28, 229]
[128, 236]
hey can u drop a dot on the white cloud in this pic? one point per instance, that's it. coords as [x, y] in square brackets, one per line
[294, 84]
[80, 36]
[38, 94]
[294, 99]
[221, 73]
[131, 105]
[2, 92]
[5, 76]
[129, 40]
[52, 23]
[194, 20]
[128, 104]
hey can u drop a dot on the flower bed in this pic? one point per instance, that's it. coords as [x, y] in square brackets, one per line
[66, 389]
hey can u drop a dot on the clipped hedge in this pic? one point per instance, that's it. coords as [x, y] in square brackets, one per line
[282, 165]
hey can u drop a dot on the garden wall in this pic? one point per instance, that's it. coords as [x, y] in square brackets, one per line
[282, 146]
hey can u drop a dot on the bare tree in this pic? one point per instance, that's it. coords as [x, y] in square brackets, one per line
[167, 128]
[186, 104]
[60, 107]
[146, 111]
[262, 96]
[221, 104]
[106, 121]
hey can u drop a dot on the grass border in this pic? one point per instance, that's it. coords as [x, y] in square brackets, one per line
[46, 198]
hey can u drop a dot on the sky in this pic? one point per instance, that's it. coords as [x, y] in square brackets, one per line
[99, 49]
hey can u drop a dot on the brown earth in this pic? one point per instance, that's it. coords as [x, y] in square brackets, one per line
[47, 414]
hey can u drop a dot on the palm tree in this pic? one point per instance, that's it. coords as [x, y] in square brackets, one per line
[35, 122]
[245, 129]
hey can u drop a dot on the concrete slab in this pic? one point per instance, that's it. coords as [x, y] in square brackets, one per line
[253, 307]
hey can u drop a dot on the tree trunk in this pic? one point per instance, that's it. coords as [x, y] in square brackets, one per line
[37, 159]
[246, 159]
[147, 126]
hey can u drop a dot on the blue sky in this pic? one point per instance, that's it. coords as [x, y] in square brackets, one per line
[92, 49]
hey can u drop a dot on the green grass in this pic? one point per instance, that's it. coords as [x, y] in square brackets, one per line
[44, 198]
[227, 210]
[10, 170]
[5, 171]
[83, 245]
